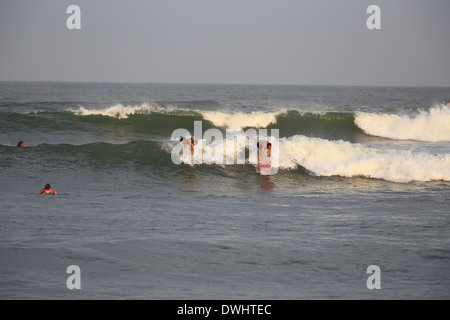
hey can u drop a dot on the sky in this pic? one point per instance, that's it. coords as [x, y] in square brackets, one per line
[304, 42]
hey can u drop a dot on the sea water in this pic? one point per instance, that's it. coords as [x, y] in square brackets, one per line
[363, 179]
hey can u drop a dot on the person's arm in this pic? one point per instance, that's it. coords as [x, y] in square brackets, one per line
[42, 191]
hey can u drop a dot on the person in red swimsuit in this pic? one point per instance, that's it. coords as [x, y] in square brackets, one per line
[48, 190]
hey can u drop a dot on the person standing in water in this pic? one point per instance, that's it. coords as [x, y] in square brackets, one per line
[267, 145]
[20, 144]
[48, 190]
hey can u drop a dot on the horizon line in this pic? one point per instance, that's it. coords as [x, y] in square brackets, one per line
[225, 83]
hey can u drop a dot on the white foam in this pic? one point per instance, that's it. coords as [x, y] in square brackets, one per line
[228, 120]
[430, 126]
[340, 158]
[116, 111]
[239, 120]
[237, 148]
[216, 151]
[335, 158]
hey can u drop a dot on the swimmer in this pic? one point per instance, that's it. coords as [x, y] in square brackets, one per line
[191, 142]
[269, 147]
[48, 190]
[20, 144]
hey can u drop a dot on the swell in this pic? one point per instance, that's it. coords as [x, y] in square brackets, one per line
[99, 155]
[313, 156]
[154, 123]
[331, 125]
[131, 120]
[432, 125]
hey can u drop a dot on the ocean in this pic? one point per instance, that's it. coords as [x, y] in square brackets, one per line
[363, 180]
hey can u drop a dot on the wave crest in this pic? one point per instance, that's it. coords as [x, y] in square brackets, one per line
[118, 111]
[239, 120]
[430, 126]
[340, 158]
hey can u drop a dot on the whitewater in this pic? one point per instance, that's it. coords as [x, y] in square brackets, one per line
[431, 125]
[322, 157]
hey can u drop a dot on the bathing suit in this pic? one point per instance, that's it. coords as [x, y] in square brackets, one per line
[49, 191]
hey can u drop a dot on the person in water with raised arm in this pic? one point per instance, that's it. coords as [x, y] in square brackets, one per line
[48, 190]
[190, 142]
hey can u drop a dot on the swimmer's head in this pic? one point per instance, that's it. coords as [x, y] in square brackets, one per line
[47, 187]
[20, 144]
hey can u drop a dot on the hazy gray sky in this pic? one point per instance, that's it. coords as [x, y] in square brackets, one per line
[227, 41]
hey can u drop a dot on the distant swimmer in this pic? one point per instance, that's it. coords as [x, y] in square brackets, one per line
[190, 142]
[48, 190]
[20, 144]
[448, 103]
